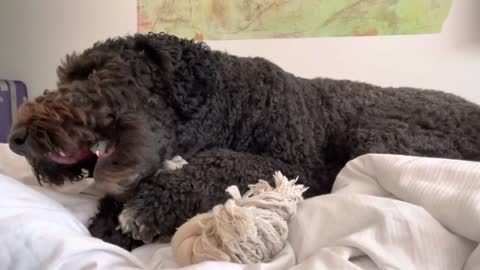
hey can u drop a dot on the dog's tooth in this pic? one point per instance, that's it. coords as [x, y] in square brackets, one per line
[101, 146]
[94, 147]
[62, 154]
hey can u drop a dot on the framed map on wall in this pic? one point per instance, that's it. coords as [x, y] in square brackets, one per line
[251, 19]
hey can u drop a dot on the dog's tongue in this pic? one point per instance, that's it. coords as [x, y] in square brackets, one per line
[71, 158]
[102, 149]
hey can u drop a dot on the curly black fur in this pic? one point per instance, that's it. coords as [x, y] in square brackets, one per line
[235, 120]
[106, 224]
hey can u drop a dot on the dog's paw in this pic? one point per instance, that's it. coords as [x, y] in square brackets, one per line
[102, 228]
[140, 225]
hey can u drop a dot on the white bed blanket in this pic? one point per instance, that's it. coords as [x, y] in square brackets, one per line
[386, 212]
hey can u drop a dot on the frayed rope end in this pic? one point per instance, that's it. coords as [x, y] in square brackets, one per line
[246, 229]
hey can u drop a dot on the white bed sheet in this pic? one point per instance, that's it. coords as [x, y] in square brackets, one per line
[386, 212]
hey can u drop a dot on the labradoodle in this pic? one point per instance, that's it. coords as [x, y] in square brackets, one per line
[233, 119]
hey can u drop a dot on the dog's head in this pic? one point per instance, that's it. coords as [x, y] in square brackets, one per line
[102, 96]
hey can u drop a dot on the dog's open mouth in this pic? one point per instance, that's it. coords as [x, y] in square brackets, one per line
[101, 149]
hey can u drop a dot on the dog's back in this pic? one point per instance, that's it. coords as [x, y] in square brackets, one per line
[406, 120]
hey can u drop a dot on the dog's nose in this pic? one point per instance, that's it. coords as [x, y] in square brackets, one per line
[18, 140]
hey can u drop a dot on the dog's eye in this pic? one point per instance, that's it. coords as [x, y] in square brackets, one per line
[83, 100]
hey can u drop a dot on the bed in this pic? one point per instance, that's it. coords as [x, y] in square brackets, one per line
[385, 212]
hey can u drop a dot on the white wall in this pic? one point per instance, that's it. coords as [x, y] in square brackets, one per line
[35, 35]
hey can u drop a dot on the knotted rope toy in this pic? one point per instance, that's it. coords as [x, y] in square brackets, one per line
[246, 229]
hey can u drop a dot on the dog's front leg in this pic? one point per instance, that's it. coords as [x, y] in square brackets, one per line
[105, 224]
[167, 199]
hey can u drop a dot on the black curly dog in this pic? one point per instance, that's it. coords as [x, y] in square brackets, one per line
[234, 120]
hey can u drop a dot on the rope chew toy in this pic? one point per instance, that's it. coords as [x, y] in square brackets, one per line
[246, 229]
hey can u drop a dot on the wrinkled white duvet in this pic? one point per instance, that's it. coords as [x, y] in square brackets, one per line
[386, 212]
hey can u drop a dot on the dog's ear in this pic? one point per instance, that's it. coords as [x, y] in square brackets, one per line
[80, 67]
[184, 73]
